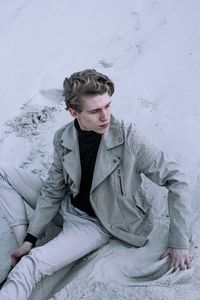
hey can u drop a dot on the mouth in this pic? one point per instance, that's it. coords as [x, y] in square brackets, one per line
[104, 125]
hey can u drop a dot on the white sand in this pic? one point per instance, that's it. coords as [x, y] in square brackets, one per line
[151, 49]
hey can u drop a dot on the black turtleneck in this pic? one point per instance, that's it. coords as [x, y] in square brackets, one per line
[89, 142]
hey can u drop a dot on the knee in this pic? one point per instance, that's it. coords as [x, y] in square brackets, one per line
[4, 170]
[32, 259]
[9, 171]
[38, 253]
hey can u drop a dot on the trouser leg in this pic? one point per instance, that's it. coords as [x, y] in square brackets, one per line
[16, 186]
[79, 237]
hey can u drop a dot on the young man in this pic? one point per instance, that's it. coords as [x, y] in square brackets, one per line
[95, 184]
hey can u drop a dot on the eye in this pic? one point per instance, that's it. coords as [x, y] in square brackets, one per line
[108, 105]
[94, 111]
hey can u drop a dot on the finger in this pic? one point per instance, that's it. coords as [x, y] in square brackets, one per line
[189, 263]
[13, 261]
[176, 266]
[183, 267]
[180, 263]
[17, 253]
[15, 258]
[172, 264]
[165, 254]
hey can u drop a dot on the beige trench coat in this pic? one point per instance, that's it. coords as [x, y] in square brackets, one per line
[117, 196]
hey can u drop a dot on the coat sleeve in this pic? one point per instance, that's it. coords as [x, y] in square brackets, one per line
[164, 171]
[53, 192]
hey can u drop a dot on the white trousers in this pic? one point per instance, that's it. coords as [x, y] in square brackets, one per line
[80, 235]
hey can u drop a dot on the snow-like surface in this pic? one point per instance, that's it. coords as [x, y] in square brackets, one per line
[150, 48]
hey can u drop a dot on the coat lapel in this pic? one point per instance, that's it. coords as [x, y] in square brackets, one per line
[107, 161]
[71, 160]
[105, 164]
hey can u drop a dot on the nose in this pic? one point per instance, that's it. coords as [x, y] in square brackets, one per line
[103, 115]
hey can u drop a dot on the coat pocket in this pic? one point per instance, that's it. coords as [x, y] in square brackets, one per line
[141, 203]
[140, 210]
[119, 176]
[133, 213]
[118, 182]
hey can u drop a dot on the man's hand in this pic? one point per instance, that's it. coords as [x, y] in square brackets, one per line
[19, 252]
[179, 258]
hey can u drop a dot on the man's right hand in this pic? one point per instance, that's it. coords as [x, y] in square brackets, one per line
[17, 254]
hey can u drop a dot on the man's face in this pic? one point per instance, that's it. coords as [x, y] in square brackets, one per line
[95, 114]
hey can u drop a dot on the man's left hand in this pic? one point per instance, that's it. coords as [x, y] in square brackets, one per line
[179, 258]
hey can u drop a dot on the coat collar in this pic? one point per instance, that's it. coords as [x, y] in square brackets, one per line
[111, 138]
[106, 160]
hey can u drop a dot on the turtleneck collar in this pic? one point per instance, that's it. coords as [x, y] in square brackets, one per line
[88, 135]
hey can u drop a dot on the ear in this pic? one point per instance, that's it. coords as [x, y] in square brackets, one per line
[73, 113]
